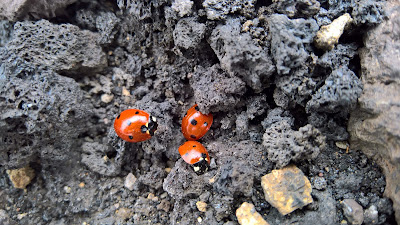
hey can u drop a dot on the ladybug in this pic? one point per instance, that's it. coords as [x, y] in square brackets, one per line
[134, 125]
[195, 124]
[196, 155]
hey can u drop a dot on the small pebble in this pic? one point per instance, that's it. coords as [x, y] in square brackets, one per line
[152, 197]
[123, 213]
[125, 92]
[353, 211]
[22, 215]
[247, 215]
[201, 206]
[164, 205]
[106, 98]
[319, 183]
[371, 215]
[130, 181]
[164, 195]
[20, 178]
[329, 35]
[67, 189]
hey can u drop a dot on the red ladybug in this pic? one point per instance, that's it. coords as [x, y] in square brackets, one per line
[195, 124]
[134, 125]
[196, 155]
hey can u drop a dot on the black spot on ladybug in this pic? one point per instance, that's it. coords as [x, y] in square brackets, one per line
[193, 122]
[137, 112]
[197, 108]
[192, 136]
[130, 137]
[129, 124]
[205, 124]
[118, 116]
[143, 129]
[194, 146]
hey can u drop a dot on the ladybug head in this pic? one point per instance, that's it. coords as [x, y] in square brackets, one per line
[152, 127]
[202, 165]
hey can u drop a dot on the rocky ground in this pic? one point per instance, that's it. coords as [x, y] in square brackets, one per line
[304, 94]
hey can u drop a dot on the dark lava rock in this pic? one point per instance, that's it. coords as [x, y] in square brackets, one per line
[251, 68]
[17, 10]
[302, 8]
[219, 9]
[188, 33]
[339, 93]
[240, 55]
[216, 90]
[42, 113]
[290, 41]
[285, 145]
[64, 48]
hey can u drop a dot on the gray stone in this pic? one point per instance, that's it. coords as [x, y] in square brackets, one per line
[353, 211]
[19, 9]
[371, 215]
[240, 55]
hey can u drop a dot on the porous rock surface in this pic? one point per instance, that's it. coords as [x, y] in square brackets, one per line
[20, 9]
[240, 55]
[251, 64]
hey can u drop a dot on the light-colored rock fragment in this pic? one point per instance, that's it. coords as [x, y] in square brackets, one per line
[329, 35]
[123, 213]
[20, 178]
[107, 98]
[353, 211]
[371, 215]
[201, 206]
[287, 189]
[130, 181]
[183, 7]
[247, 215]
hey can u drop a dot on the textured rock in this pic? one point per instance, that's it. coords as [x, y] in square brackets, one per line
[219, 9]
[43, 115]
[353, 211]
[371, 215]
[247, 215]
[95, 157]
[240, 55]
[374, 124]
[284, 144]
[130, 180]
[290, 39]
[183, 7]
[214, 89]
[329, 35]
[64, 48]
[18, 9]
[293, 8]
[201, 206]
[21, 177]
[338, 94]
[188, 33]
[287, 189]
